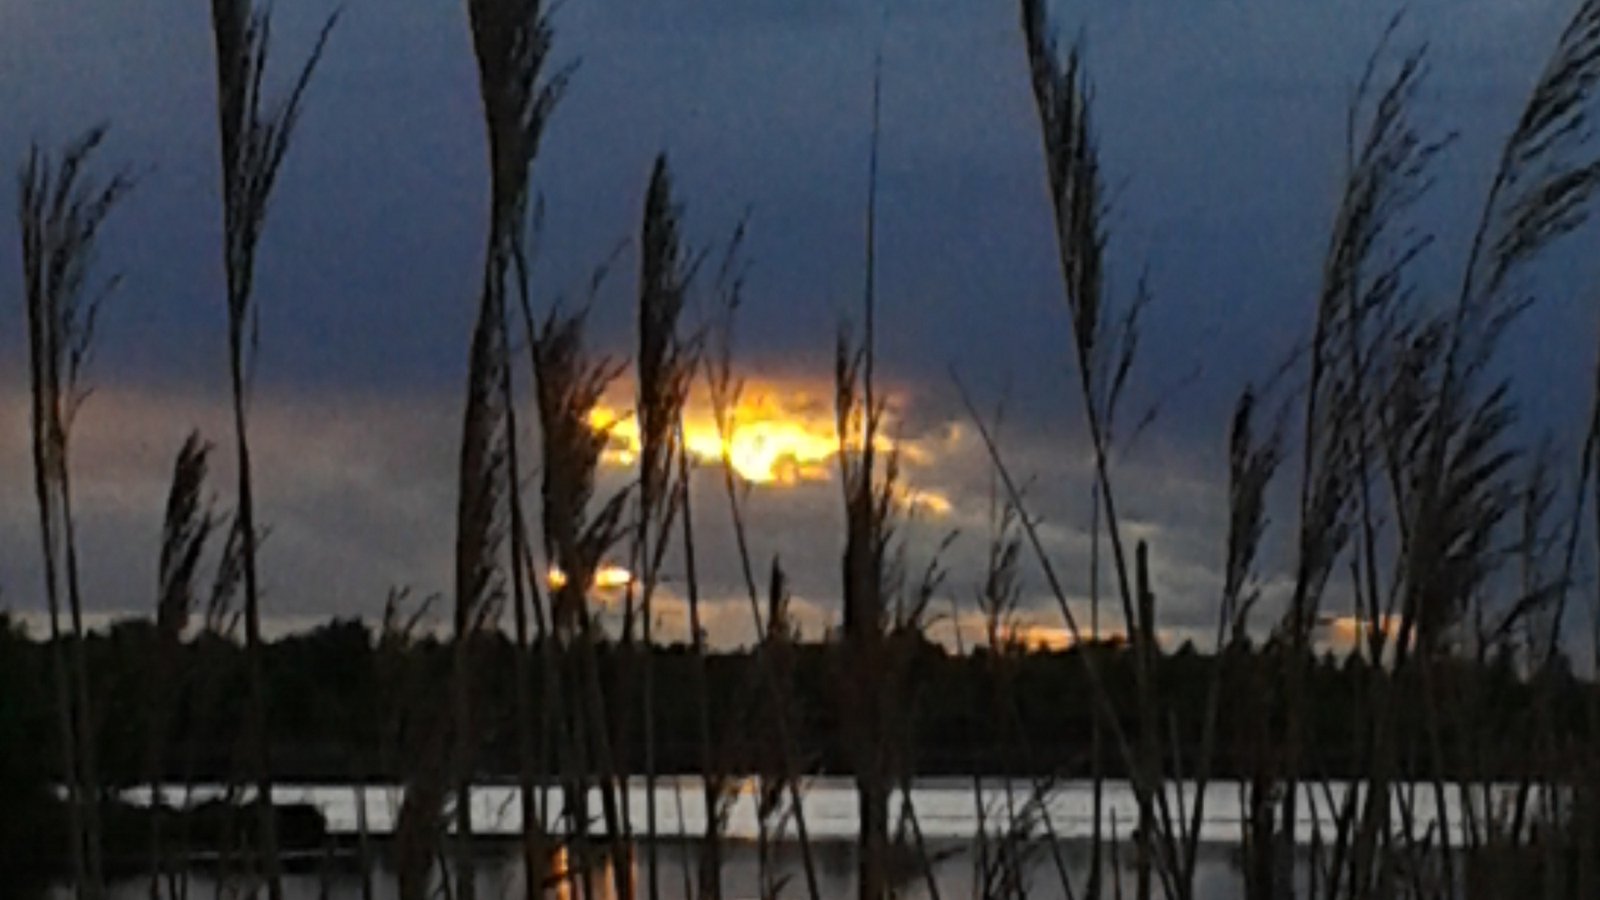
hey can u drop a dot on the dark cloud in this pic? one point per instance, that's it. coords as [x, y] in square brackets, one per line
[1223, 133]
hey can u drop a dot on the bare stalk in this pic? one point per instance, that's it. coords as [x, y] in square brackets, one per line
[859, 412]
[775, 637]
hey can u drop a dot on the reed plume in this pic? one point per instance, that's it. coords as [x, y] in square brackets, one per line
[1105, 345]
[255, 136]
[666, 365]
[187, 526]
[61, 211]
[511, 41]
[569, 384]
[1541, 191]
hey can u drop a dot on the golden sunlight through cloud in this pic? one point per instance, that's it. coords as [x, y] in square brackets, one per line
[775, 439]
[1024, 632]
[1346, 631]
[780, 436]
[1047, 638]
[605, 578]
[934, 503]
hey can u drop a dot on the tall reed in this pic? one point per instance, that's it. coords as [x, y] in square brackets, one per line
[666, 365]
[570, 384]
[867, 496]
[255, 136]
[61, 211]
[511, 40]
[187, 528]
[1105, 346]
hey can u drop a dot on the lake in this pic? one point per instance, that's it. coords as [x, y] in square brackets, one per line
[947, 810]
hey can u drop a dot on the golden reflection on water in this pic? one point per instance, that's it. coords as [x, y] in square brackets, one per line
[568, 881]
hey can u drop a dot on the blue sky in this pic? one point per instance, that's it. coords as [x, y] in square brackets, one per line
[1222, 126]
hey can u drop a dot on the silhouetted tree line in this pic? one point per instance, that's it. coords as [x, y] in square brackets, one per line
[338, 699]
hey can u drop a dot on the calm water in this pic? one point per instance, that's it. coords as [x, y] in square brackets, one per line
[500, 877]
[948, 811]
[945, 808]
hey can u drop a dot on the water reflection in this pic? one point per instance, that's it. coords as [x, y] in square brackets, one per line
[949, 810]
[571, 880]
[500, 875]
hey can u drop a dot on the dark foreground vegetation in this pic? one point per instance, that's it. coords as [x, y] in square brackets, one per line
[1459, 541]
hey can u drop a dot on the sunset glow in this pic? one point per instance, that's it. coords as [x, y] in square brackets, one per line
[605, 578]
[1049, 638]
[931, 503]
[773, 441]
[1348, 629]
[780, 437]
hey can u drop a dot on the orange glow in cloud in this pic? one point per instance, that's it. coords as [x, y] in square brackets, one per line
[605, 578]
[1026, 633]
[612, 577]
[1346, 630]
[1054, 638]
[779, 437]
[933, 503]
[1042, 637]
[774, 441]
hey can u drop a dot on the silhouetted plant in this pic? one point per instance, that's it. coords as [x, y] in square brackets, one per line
[868, 503]
[186, 529]
[1104, 358]
[60, 213]
[511, 40]
[255, 137]
[570, 384]
[665, 368]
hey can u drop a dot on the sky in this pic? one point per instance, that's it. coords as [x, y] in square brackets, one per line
[1222, 128]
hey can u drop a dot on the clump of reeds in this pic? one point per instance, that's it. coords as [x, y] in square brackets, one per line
[570, 384]
[187, 527]
[511, 42]
[176, 688]
[1408, 467]
[422, 730]
[255, 137]
[777, 782]
[1363, 302]
[408, 736]
[666, 366]
[1541, 191]
[60, 212]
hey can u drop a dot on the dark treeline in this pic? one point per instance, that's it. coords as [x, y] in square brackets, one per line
[340, 696]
